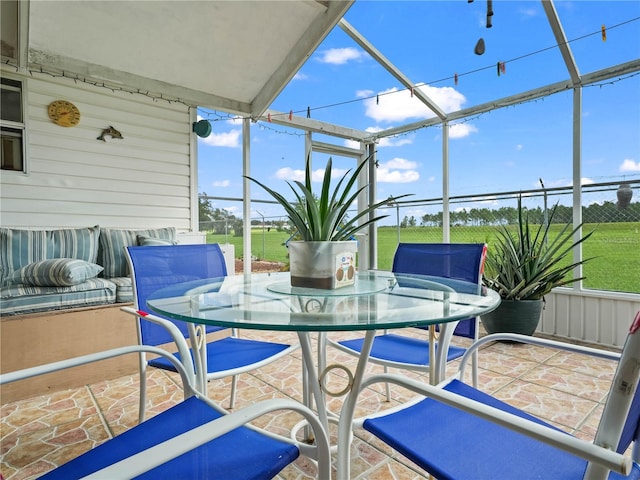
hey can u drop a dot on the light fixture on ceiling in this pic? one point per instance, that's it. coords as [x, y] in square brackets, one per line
[202, 128]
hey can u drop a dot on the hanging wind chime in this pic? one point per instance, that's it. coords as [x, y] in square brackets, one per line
[624, 194]
[480, 47]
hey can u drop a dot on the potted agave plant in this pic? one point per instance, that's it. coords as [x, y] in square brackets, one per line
[325, 255]
[525, 265]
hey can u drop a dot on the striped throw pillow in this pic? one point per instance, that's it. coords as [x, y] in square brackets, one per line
[55, 272]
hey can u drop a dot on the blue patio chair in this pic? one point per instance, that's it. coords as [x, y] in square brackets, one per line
[500, 441]
[158, 266]
[452, 261]
[193, 439]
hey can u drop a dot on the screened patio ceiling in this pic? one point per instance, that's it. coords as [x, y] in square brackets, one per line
[234, 56]
[238, 56]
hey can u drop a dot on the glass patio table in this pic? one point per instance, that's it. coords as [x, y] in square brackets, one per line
[378, 300]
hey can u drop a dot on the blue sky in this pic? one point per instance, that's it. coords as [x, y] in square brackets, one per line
[431, 42]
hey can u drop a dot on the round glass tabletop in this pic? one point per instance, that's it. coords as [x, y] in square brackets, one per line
[379, 299]
[364, 285]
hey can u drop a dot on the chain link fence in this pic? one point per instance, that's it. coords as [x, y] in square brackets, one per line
[610, 210]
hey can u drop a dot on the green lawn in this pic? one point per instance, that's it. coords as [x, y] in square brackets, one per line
[614, 246]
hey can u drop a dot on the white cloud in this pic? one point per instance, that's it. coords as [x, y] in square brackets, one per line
[221, 183]
[529, 12]
[352, 144]
[397, 106]
[519, 147]
[398, 141]
[400, 164]
[394, 141]
[586, 181]
[290, 174]
[629, 165]
[461, 130]
[340, 56]
[300, 76]
[397, 170]
[363, 93]
[224, 139]
[396, 176]
[562, 182]
[382, 142]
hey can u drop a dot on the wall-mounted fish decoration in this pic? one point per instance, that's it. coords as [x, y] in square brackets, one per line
[109, 131]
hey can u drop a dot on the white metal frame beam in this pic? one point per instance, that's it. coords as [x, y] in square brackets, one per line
[300, 54]
[382, 60]
[588, 79]
[315, 126]
[561, 40]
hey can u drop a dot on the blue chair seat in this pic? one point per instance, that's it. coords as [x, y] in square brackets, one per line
[229, 353]
[512, 455]
[398, 348]
[458, 432]
[242, 453]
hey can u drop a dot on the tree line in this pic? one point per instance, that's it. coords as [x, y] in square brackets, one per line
[607, 212]
[220, 221]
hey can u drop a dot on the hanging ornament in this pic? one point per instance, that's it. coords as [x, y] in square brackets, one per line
[503, 67]
[489, 13]
[604, 33]
[290, 115]
[455, 77]
[377, 99]
[308, 112]
[411, 92]
[624, 194]
[479, 50]
[202, 128]
[269, 117]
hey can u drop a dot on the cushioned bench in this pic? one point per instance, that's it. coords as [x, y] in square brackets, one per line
[43, 270]
[60, 296]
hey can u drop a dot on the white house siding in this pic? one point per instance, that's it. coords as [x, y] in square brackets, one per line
[141, 181]
[592, 316]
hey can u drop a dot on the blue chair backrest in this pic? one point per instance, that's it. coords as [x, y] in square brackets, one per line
[159, 266]
[627, 377]
[459, 261]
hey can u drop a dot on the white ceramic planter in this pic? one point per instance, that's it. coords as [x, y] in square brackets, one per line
[324, 265]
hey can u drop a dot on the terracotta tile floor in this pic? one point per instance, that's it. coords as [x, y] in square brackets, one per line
[42, 432]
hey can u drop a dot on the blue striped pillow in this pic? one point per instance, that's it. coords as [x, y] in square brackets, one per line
[21, 247]
[151, 242]
[112, 242]
[55, 272]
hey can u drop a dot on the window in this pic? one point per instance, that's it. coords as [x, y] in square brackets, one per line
[11, 126]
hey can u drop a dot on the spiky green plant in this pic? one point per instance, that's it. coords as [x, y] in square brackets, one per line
[324, 217]
[527, 264]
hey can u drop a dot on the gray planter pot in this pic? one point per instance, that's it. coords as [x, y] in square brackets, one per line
[514, 316]
[323, 265]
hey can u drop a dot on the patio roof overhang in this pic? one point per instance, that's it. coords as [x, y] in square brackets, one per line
[232, 56]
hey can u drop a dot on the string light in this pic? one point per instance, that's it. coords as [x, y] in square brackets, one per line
[101, 84]
[501, 67]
